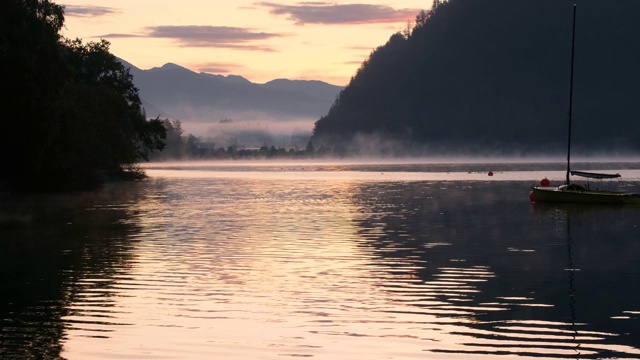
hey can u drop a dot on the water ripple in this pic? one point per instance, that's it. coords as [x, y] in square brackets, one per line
[201, 267]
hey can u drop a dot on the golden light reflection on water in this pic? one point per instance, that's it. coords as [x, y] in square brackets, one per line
[253, 273]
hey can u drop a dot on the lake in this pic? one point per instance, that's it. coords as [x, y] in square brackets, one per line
[322, 260]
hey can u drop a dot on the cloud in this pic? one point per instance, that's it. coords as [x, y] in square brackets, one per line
[113, 35]
[89, 10]
[362, 48]
[206, 36]
[329, 13]
[216, 67]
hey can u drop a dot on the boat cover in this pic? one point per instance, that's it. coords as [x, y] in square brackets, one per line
[594, 175]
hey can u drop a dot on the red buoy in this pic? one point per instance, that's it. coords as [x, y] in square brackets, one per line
[532, 197]
[490, 173]
[545, 182]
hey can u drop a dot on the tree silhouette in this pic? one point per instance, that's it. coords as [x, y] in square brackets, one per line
[73, 117]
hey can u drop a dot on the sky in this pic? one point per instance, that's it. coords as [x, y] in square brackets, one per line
[259, 40]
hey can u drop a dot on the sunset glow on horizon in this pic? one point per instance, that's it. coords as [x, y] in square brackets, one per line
[260, 41]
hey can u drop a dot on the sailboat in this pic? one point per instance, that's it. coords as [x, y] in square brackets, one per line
[574, 193]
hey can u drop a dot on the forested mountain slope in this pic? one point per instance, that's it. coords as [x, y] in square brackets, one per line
[493, 75]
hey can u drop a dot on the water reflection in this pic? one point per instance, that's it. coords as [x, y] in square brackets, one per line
[61, 255]
[235, 267]
[460, 252]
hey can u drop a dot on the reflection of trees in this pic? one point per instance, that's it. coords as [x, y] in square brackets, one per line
[480, 255]
[46, 257]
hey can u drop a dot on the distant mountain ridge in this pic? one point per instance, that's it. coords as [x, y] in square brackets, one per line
[177, 92]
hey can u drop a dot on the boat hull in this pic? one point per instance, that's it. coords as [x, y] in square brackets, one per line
[559, 195]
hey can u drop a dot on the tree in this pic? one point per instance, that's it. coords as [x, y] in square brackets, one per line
[423, 16]
[73, 116]
[193, 146]
[176, 144]
[32, 72]
[309, 149]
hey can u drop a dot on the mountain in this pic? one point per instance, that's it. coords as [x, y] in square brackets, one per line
[176, 92]
[492, 76]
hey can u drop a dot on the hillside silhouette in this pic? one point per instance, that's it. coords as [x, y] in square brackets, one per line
[493, 76]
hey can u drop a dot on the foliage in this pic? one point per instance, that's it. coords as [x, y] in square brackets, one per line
[175, 143]
[189, 147]
[73, 117]
[494, 74]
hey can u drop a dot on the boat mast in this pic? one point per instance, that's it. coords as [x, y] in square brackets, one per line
[573, 42]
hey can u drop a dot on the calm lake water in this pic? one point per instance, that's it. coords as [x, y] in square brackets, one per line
[239, 260]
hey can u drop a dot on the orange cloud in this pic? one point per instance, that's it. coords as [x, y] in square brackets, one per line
[89, 10]
[206, 36]
[327, 13]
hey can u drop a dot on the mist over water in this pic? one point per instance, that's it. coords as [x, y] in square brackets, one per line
[321, 259]
[252, 134]
[530, 169]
